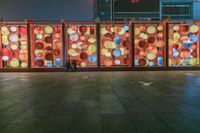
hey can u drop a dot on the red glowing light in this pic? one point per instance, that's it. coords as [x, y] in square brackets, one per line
[134, 1]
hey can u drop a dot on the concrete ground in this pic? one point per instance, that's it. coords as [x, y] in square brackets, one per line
[100, 102]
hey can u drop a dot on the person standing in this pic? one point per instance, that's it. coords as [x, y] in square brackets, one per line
[68, 65]
[74, 65]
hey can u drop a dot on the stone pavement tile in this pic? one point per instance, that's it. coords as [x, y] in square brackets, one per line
[180, 123]
[140, 113]
[118, 127]
[110, 104]
[51, 118]
[85, 128]
[166, 108]
[138, 117]
[86, 110]
[114, 118]
[89, 102]
[195, 118]
[19, 128]
[105, 90]
[112, 109]
[130, 104]
[64, 108]
[154, 126]
[145, 97]
[91, 117]
[54, 123]
[108, 98]
[116, 123]
[55, 127]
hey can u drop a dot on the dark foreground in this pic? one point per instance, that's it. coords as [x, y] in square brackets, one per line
[100, 102]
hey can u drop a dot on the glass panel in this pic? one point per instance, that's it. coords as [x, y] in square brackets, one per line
[115, 45]
[82, 46]
[149, 45]
[176, 10]
[183, 45]
[14, 46]
[47, 50]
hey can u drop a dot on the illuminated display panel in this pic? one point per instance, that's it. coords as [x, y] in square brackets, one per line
[183, 45]
[13, 46]
[149, 45]
[47, 46]
[82, 45]
[115, 45]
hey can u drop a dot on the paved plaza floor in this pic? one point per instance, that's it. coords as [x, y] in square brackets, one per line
[100, 102]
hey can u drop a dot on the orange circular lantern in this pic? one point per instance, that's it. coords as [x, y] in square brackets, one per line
[108, 62]
[160, 43]
[82, 38]
[184, 54]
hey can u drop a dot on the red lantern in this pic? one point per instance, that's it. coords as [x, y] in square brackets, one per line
[48, 48]
[143, 44]
[126, 43]
[39, 45]
[49, 56]
[5, 52]
[23, 30]
[83, 55]
[176, 46]
[194, 54]
[142, 62]
[15, 53]
[137, 51]
[83, 29]
[48, 39]
[39, 28]
[151, 39]
[134, 1]
[194, 46]
[92, 30]
[56, 52]
[108, 28]
[57, 29]
[184, 29]
[39, 63]
[109, 35]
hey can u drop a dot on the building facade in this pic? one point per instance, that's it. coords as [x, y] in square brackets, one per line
[146, 9]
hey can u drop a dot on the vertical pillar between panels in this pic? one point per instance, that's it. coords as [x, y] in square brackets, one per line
[98, 45]
[167, 45]
[133, 44]
[0, 49]
[29, 44]
[64, 42]
[199, 45]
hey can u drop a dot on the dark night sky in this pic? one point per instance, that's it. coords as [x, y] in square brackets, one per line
[46, 9]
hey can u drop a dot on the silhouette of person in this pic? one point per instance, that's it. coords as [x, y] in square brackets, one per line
[68, 65]
[74, 65]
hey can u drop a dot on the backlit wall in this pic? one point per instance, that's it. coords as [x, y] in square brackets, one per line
[47, 46]
[149, 45]
[50, 45]
[82, 44]
[13, 46]
[115, 45]
[183, 45]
